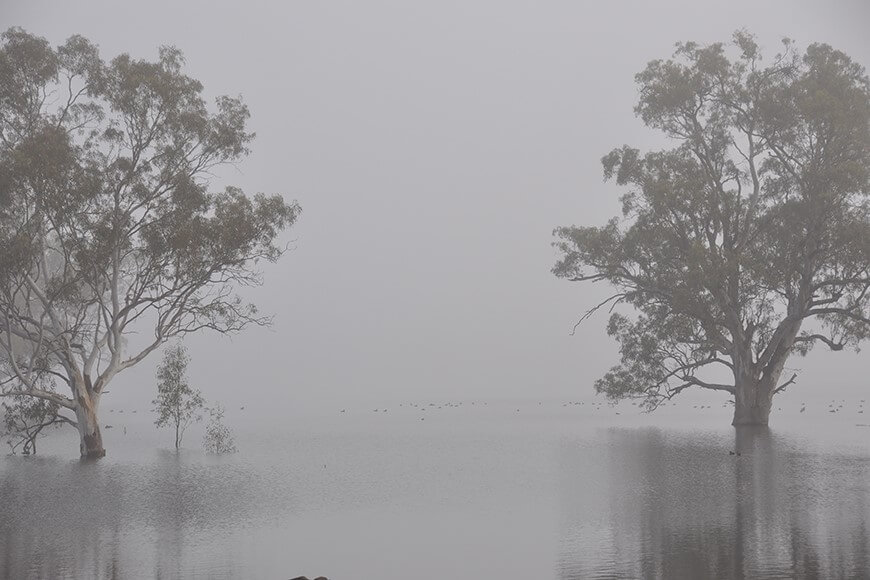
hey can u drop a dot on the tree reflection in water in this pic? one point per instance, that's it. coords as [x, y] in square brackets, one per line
[679, 506]
[626, 503]
[78, 519]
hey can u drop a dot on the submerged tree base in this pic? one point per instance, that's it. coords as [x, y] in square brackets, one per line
[94, 454]
[91, 448]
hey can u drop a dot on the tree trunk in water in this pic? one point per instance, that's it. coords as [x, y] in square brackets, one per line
[755, 387]
[91, 440]
[752, 402]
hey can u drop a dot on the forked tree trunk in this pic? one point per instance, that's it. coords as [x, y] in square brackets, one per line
[753, 397]
[754, 386]
[91, 440]
[752, 402]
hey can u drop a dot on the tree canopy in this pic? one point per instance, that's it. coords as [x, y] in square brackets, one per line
[177, 404]
[108, 223]
[749, 239]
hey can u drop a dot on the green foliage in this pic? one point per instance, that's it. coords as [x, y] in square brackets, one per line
[177, 404]
[108, 220]
[26, 418]
[218, 438]
[748, 240]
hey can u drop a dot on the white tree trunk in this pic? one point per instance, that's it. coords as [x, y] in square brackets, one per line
[90, 437]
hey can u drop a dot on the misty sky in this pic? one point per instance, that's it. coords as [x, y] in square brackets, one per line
[433, 148]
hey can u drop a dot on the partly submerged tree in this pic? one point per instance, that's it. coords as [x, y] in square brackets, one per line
[108, 226]
[177, 404]
[218, 437]
[746, 242]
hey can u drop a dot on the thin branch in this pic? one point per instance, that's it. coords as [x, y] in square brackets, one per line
[782, 387]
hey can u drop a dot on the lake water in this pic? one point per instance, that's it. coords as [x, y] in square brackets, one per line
[472, 491]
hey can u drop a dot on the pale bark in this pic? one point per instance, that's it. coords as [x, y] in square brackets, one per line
[90, 437]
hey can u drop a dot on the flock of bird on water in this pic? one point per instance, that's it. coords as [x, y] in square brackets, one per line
[833, 406]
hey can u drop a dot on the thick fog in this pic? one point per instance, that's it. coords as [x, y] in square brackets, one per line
[433, 148]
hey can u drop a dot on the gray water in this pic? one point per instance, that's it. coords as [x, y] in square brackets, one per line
[472, 491]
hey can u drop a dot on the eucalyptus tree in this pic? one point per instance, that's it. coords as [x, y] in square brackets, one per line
[112, 240]
[177, 404]
[745, 242]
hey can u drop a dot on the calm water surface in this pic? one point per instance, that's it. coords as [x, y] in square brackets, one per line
[471, 492]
